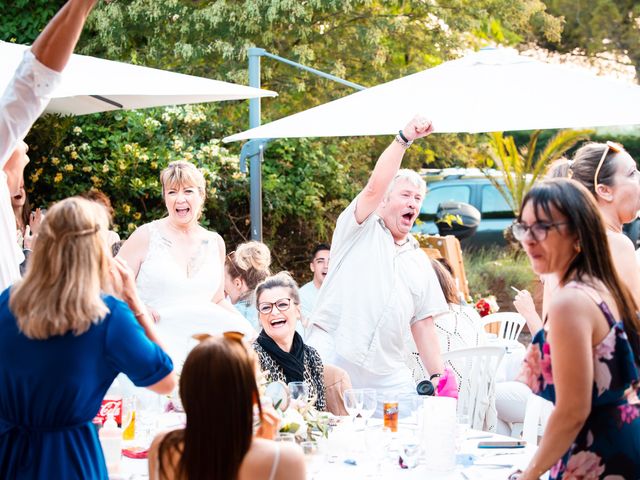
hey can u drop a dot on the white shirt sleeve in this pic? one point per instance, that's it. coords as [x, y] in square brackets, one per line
[24, 100]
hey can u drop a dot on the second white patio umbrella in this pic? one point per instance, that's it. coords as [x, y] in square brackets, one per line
[93, 85]
[488, 91]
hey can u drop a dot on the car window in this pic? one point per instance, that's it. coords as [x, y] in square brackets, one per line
[493, 203]
[445, 193]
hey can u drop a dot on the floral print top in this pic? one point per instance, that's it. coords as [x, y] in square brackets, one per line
[608, 445]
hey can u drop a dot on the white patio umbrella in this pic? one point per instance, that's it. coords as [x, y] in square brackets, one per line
[488, 91]
[93, 85]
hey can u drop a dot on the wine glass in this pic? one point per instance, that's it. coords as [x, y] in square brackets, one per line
[352, 402]
[299, 393]
[369, 403]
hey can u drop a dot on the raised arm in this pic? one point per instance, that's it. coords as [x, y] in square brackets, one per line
[386, 168]
[29, 91]
[55, 44]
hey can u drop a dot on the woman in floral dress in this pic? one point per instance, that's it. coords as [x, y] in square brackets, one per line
[582, 360]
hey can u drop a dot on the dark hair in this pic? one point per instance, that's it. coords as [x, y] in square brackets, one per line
[219, 426]
[447, 282]
[585, 163]
[447, 266]
[281, 279]
[318, 248]
[593, 260]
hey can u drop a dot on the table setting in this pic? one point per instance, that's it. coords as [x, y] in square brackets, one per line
[427, 439]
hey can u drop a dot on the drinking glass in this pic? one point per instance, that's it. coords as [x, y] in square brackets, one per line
[299, 393]
[313, 458]
[376, 441]
[410, 451]
[369, 403]
[286, 437]
[351, 403]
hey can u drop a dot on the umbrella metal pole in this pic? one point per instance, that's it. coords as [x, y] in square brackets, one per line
[255, 150]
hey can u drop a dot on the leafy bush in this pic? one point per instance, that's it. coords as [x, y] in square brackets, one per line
[494, 271]
[305, 187]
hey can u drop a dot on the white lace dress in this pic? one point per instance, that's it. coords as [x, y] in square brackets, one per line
[184, 298]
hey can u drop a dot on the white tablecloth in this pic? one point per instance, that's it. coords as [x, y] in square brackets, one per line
[498, 464]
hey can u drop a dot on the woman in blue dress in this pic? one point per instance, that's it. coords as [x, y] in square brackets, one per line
[63, 341]
[584, 359]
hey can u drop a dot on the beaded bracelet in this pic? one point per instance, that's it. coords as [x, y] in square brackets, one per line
[402, 143]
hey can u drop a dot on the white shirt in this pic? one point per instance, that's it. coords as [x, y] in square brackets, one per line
[23, 101]
[308, 298]
[373, 292]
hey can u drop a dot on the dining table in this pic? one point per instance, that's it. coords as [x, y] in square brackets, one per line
[348, 453]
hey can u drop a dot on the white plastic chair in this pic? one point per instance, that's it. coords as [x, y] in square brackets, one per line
[535, 418]
[511, 324]
[475, 370]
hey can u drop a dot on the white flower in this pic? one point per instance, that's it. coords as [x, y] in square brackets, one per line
[293, 422]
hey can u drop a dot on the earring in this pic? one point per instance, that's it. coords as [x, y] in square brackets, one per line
[577, 247]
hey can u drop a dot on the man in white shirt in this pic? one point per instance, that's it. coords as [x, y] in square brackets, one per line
[23, 101]
[381, 285]
[309, 291]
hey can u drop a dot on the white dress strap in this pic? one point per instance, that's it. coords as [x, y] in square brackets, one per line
[276, 461]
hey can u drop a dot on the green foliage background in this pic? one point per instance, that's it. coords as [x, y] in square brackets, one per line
[306, 182]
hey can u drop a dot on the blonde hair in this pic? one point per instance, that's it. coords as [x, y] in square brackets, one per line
[68, 270]
[250, 262]
[181, 173]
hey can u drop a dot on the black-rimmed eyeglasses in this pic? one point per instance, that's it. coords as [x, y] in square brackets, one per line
[267, 307]
[538, 230]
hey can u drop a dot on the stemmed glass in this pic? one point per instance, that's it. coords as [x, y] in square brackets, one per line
[351, 403]
[299, 393]
[368, 404]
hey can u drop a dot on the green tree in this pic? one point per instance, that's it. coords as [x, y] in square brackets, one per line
[592, 28]
[520, 167]
[306, 182]
[23, 20]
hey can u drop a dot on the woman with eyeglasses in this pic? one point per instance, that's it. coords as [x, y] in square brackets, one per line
[179, 266]
[611, 176]
[584, 359]
[219, 394]
[281, 350]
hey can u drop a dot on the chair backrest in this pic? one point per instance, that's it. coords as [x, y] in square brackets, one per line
[336, 381]
[511, 324]
[475, 369]
[535, 418]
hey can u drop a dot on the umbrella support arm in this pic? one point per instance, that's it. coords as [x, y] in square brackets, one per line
[254, 149]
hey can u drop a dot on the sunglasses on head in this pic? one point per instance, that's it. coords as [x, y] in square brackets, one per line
[615, 148]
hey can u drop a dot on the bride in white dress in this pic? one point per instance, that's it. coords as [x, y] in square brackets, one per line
[179, 267]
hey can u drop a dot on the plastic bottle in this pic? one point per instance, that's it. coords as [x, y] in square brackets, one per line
[111, 440]
[112, 403]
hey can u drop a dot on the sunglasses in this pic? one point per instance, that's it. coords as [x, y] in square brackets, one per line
[615, 148]
[265, 308]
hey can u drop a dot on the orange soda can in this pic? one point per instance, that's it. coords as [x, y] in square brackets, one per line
[390, 410]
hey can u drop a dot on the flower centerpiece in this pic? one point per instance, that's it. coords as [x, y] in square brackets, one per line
[487, 305]
[300, 418]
